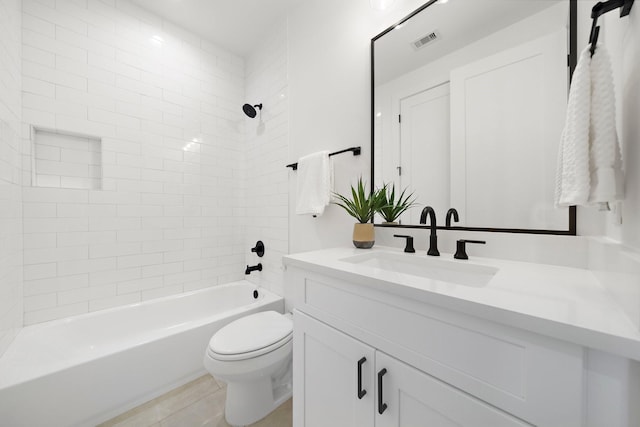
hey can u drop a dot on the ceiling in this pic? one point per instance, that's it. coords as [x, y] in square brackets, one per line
[235, 25]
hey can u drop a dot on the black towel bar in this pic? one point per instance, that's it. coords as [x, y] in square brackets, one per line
[355, 150]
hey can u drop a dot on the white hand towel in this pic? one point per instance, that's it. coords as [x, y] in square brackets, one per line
[605, 162]
[589, 161]
[315, 183]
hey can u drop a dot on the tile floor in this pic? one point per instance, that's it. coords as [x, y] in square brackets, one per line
[198, 403]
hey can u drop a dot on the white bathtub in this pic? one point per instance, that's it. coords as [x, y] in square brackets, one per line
[89, 368]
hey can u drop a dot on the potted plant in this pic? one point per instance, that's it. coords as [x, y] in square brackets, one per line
[362, 206]
[390, 209]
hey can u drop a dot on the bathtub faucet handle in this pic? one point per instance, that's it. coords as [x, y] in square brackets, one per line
[249, 269]
[259, 248]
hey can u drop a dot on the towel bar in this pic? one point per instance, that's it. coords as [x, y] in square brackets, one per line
[355, 150]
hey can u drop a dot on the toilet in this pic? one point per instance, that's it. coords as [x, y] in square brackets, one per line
[253, 356]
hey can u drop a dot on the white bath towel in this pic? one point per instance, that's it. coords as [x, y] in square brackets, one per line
[572, 178]
[589, 161]
[315, 183]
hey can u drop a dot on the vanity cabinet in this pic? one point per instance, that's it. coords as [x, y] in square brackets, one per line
[348, 383]
[414, 398]
[442, 367]
[326, 368]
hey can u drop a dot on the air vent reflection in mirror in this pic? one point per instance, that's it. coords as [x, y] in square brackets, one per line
[431, 37]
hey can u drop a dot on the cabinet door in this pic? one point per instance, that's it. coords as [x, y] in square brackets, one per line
[326, 367]
[413, 398]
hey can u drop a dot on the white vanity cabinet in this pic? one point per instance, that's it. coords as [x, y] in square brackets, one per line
[347, 383]
[443, 368]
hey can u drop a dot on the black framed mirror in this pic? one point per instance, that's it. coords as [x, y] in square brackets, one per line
[468, 100]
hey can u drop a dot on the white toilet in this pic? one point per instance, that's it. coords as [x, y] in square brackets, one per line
[253, 356]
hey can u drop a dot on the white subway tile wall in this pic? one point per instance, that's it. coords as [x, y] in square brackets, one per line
[166, 106]
[10, 173]
[267, 196]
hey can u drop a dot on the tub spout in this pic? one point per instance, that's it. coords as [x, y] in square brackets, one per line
[253, 268]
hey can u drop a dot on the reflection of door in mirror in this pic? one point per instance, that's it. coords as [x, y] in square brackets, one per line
[424, 149]
[508, 109]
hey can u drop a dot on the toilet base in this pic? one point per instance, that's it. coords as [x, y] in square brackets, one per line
[248, 402]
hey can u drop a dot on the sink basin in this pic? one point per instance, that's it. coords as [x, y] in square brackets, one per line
[458, 272]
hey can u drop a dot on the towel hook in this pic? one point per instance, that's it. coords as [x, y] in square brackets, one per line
[600, 9]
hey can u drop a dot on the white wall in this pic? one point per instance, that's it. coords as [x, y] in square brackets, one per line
[617, 265]
[330, 87]
[622, 38]
[10, 174]
[166, 105]
[266, 195]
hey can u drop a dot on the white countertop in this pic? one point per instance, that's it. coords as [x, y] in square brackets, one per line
[560, 302]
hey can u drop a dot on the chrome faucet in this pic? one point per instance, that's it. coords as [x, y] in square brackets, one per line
[433, 237]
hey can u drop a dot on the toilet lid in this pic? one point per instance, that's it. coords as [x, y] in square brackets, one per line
[251, 333]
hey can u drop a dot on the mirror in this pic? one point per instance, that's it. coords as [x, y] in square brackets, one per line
[468, 105]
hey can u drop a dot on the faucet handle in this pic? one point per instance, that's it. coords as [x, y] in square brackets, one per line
[409, 245]
[461, 249]
[259, 248]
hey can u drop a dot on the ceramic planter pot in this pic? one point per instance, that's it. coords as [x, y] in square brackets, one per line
[363, 236]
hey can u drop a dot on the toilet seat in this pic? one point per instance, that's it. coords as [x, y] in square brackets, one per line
[250, 354]
[251, 336]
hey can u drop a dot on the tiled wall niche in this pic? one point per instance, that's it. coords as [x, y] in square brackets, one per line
[65, 160]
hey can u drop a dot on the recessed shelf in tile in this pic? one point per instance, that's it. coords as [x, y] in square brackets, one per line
[65, 160]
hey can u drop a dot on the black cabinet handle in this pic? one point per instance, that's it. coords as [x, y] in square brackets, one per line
[361, 392]
[381, 405]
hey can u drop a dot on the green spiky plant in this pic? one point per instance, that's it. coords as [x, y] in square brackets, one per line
[390, 209]
[362, 205]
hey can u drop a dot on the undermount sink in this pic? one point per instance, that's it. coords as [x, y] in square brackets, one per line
[458, 272]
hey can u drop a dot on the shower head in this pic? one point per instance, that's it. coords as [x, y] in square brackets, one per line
[251, 111]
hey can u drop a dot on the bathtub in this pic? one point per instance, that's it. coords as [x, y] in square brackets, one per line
[87, 369]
